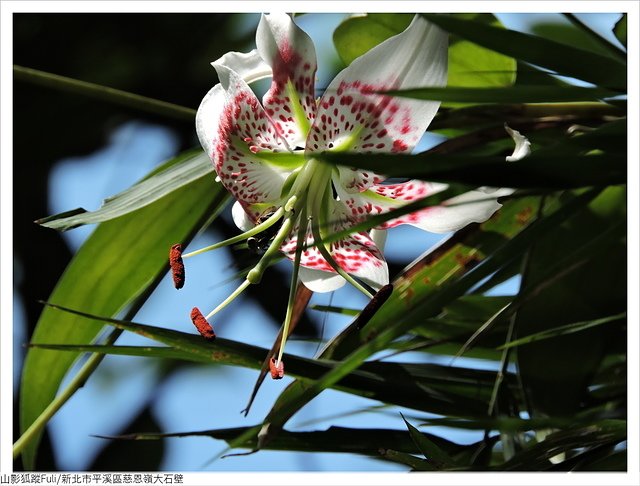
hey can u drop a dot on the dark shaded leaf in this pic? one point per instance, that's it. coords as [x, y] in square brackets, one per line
[432, 453]
[536, 457]
[513, 94]
[535, 171]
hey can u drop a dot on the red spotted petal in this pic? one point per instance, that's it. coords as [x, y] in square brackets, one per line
[243, 130]
[356, 254]
[353, 116]
[292, 57]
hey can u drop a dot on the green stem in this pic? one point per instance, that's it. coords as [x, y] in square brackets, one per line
[316, 196]
[302, 231]
[103, 93]
[74, 385]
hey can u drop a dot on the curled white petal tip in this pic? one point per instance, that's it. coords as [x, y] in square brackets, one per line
[240, 217]
[319, 281]
[523, 146]
[248, 65]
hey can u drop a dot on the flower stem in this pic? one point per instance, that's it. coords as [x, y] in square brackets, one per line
[103, 93]
[76, 383]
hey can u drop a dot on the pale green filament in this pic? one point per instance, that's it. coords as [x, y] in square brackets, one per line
[298, 112]
[229, 299]
[316, 198]
[259, 228]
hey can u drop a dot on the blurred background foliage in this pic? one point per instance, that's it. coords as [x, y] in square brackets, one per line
[542, 381]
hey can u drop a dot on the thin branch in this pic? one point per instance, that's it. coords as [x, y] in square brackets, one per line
[103, 93]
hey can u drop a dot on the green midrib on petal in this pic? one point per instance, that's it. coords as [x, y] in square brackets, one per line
[298, 112]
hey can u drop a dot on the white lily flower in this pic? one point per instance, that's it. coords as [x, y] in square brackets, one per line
[266, 153]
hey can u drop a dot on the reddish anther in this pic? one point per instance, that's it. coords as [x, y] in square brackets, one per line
[276, 369]
[177, 266]
[202, 325]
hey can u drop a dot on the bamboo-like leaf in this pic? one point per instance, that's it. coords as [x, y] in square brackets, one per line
[121, 260]
[334, 439]
[432, 453]
[536, 457]
[560, 58]
[562, 330]
[438, 388]
[535, 171]
[385, 326]
[512, 94]
[183, 170]
[415, 463]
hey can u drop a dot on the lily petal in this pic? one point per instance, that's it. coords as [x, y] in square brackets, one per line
[234, 128]
[380, 199]
[523, 146]
[240, 217]
[356, 254]
[353, 116]
[290, 53]
[457, 212]
[248, 65]
[319, 281]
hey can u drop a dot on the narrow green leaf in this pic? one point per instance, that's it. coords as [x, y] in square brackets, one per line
[384, 327]
[512, 94]
[162, 352]
[560, 58]
[388, 382]
[432, 453]
[602, 43]
[121, 260]
[407, 459]
[620, 30]
[334, 439]
[535, 171]
[536, 457]
[562, 330]
[185, 169]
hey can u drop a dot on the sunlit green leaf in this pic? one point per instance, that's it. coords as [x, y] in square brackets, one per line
[183, 170]
[120, 261]
[620, 30]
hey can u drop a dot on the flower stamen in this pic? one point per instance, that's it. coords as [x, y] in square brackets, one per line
[276, 368]
[202, 325]
[177, 265]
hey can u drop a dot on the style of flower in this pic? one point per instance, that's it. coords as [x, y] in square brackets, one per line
[268, 155]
